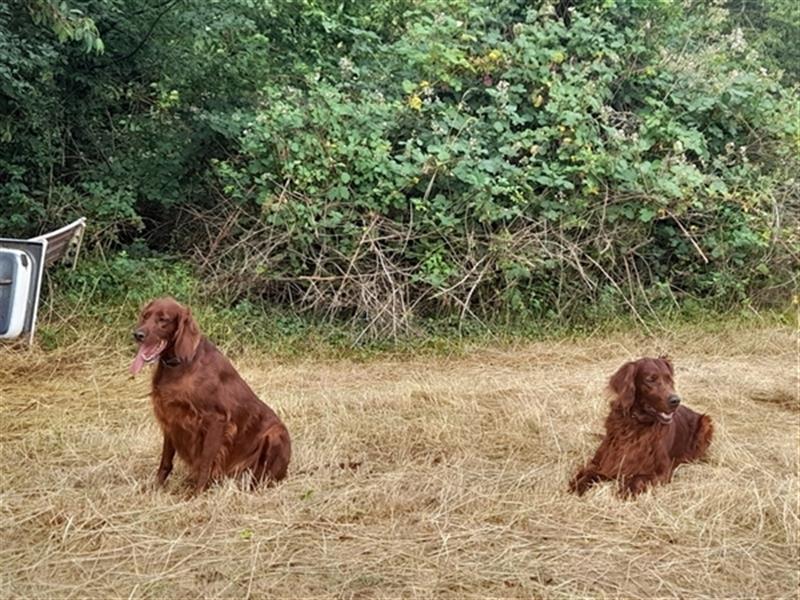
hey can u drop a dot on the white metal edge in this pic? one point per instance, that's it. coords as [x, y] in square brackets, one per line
[38, 290]
[80, 241]
[78, 222]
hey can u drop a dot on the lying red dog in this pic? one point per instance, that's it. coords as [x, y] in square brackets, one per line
[208, 414]
[648, 432]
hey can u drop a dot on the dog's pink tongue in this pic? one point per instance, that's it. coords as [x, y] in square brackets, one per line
[138, 362]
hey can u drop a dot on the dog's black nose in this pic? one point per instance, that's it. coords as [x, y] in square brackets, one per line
[138, 335]
[674, 400]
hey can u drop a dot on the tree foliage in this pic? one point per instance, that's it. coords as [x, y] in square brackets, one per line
[407, 157]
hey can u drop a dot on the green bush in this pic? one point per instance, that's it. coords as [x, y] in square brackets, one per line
[494, 157]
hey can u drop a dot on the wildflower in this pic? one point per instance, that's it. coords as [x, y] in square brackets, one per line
[345, 65]
[425, 88]
[415, 102]
[737, 41]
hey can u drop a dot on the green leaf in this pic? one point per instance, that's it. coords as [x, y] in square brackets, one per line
[646, 214]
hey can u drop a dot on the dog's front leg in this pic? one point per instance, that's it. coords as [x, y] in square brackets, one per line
[214, 427]
[633, 485]
[165, 466]
[584, 479]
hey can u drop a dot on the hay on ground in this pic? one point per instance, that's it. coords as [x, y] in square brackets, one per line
[421, 477]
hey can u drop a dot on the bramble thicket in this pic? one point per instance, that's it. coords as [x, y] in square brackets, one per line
[383, 162]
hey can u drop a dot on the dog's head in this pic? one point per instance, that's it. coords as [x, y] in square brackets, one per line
[165, 328]
[645, 388]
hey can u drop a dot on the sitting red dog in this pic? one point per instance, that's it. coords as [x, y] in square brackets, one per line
[208, 414]
[648, 432]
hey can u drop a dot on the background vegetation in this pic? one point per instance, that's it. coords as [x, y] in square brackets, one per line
[381, 164]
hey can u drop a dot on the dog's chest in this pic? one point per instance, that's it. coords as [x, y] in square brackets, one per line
[173, 410]
[639, 450]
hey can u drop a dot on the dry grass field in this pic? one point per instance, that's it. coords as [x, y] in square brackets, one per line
[453, 479]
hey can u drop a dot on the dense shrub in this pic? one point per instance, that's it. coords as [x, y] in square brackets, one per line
[499, 155]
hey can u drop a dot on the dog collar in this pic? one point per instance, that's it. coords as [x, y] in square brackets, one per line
[173, 361]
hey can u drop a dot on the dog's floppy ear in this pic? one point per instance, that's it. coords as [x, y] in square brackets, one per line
[187, 336]
[667, 361]
[623, 385]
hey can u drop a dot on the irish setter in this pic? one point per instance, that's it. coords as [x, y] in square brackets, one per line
[648, 432]
[206, 411]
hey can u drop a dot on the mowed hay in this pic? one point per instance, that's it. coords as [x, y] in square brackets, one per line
[421, 477]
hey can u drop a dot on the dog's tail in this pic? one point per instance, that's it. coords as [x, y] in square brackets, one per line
[702, 438]
[703, 433]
